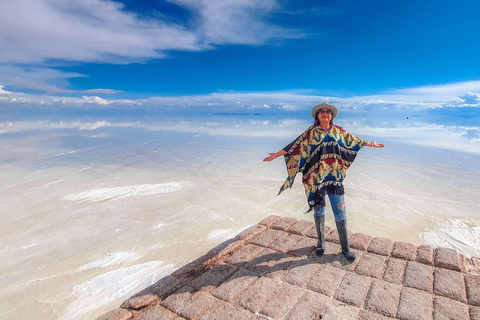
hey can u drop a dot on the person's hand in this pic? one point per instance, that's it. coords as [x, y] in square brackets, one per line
[377, 145]
[270, 157]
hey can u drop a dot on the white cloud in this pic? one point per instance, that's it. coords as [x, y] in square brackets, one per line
[104, 91]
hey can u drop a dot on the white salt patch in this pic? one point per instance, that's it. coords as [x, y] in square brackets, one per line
[159, 225]
[125, 192]
[112, 285]
[110, 260]
[219, 233]
[456, 235]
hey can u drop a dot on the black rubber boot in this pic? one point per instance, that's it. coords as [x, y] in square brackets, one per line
[320, 224]
[343, 236]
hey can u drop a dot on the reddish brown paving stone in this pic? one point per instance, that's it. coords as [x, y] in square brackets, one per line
[448, 259]
[282, 264]
[117, 314]
[446, 309]
[425, 254]
[383, 298]
[311, 305]
[140, 302]
[263, 262]
[221, 310]
[268, 221]
[285, 242]
[341, 311]
[326, 280]
[450, 284]
[360, 241]
[213, 277]
[267, 237]
[382, 246]
[419, 276]
[415, 304]
[395, 270]
[156, 313]
[163, 287]
[188, 304]
[474, 313]
[257, 295]
[282, 301]
[353, 289]
[235, 285]
[301, 227]
[245, 254]
[403, 250]
[301, 272]
[251, 232]
[372, 265]
[472, 283]
[312, 233]
[331, 251]
[283, 223]
[368, 315]
[304, 247]
[340, 261]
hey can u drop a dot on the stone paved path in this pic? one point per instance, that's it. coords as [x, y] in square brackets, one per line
[270, 271]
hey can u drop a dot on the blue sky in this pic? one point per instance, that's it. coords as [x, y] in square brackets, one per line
[228, 51]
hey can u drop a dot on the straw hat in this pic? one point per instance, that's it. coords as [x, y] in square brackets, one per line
[324, 105]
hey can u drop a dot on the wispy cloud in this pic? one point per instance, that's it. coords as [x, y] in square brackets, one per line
[103, 91]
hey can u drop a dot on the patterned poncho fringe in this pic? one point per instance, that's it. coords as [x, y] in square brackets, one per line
[323, 158]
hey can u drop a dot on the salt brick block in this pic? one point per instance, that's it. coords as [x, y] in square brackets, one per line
[140, 302]
[263, 262]
[188, 304]
[333, 236]
[340, 261]
[448, 259]
[281, 302]
[381, 246]
[117, 314]
[395, 270]
[257, 295]
[301, 272]
[450, 284]
[304, 247]
[282, 264]
[368, 315]
[285, 242]
[403, 250]
[312, 233]
[213, 277]
[353, 289]
[419, 276]
[473, 289]
[157, 312]
[341, 311]
[331, 251]
[235, 285]
[267, 237]
[301, 227]
[251, 232]
[163, 287]
[268, 221]
[360, 241]
[425, 254]
[283, 223]
[311, 305]
[474, 313]
[221, 310]
[245, 254]
[372, 265]
[326, 280]
[446, 309]
[415, 304]
[383, 298]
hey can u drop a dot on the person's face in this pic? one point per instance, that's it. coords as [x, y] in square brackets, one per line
[324, 114]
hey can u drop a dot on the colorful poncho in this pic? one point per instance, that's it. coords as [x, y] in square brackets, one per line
[323, 157]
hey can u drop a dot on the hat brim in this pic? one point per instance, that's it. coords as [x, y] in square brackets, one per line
[324, 105]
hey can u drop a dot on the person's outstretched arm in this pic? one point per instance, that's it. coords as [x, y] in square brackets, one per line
[275, 155]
